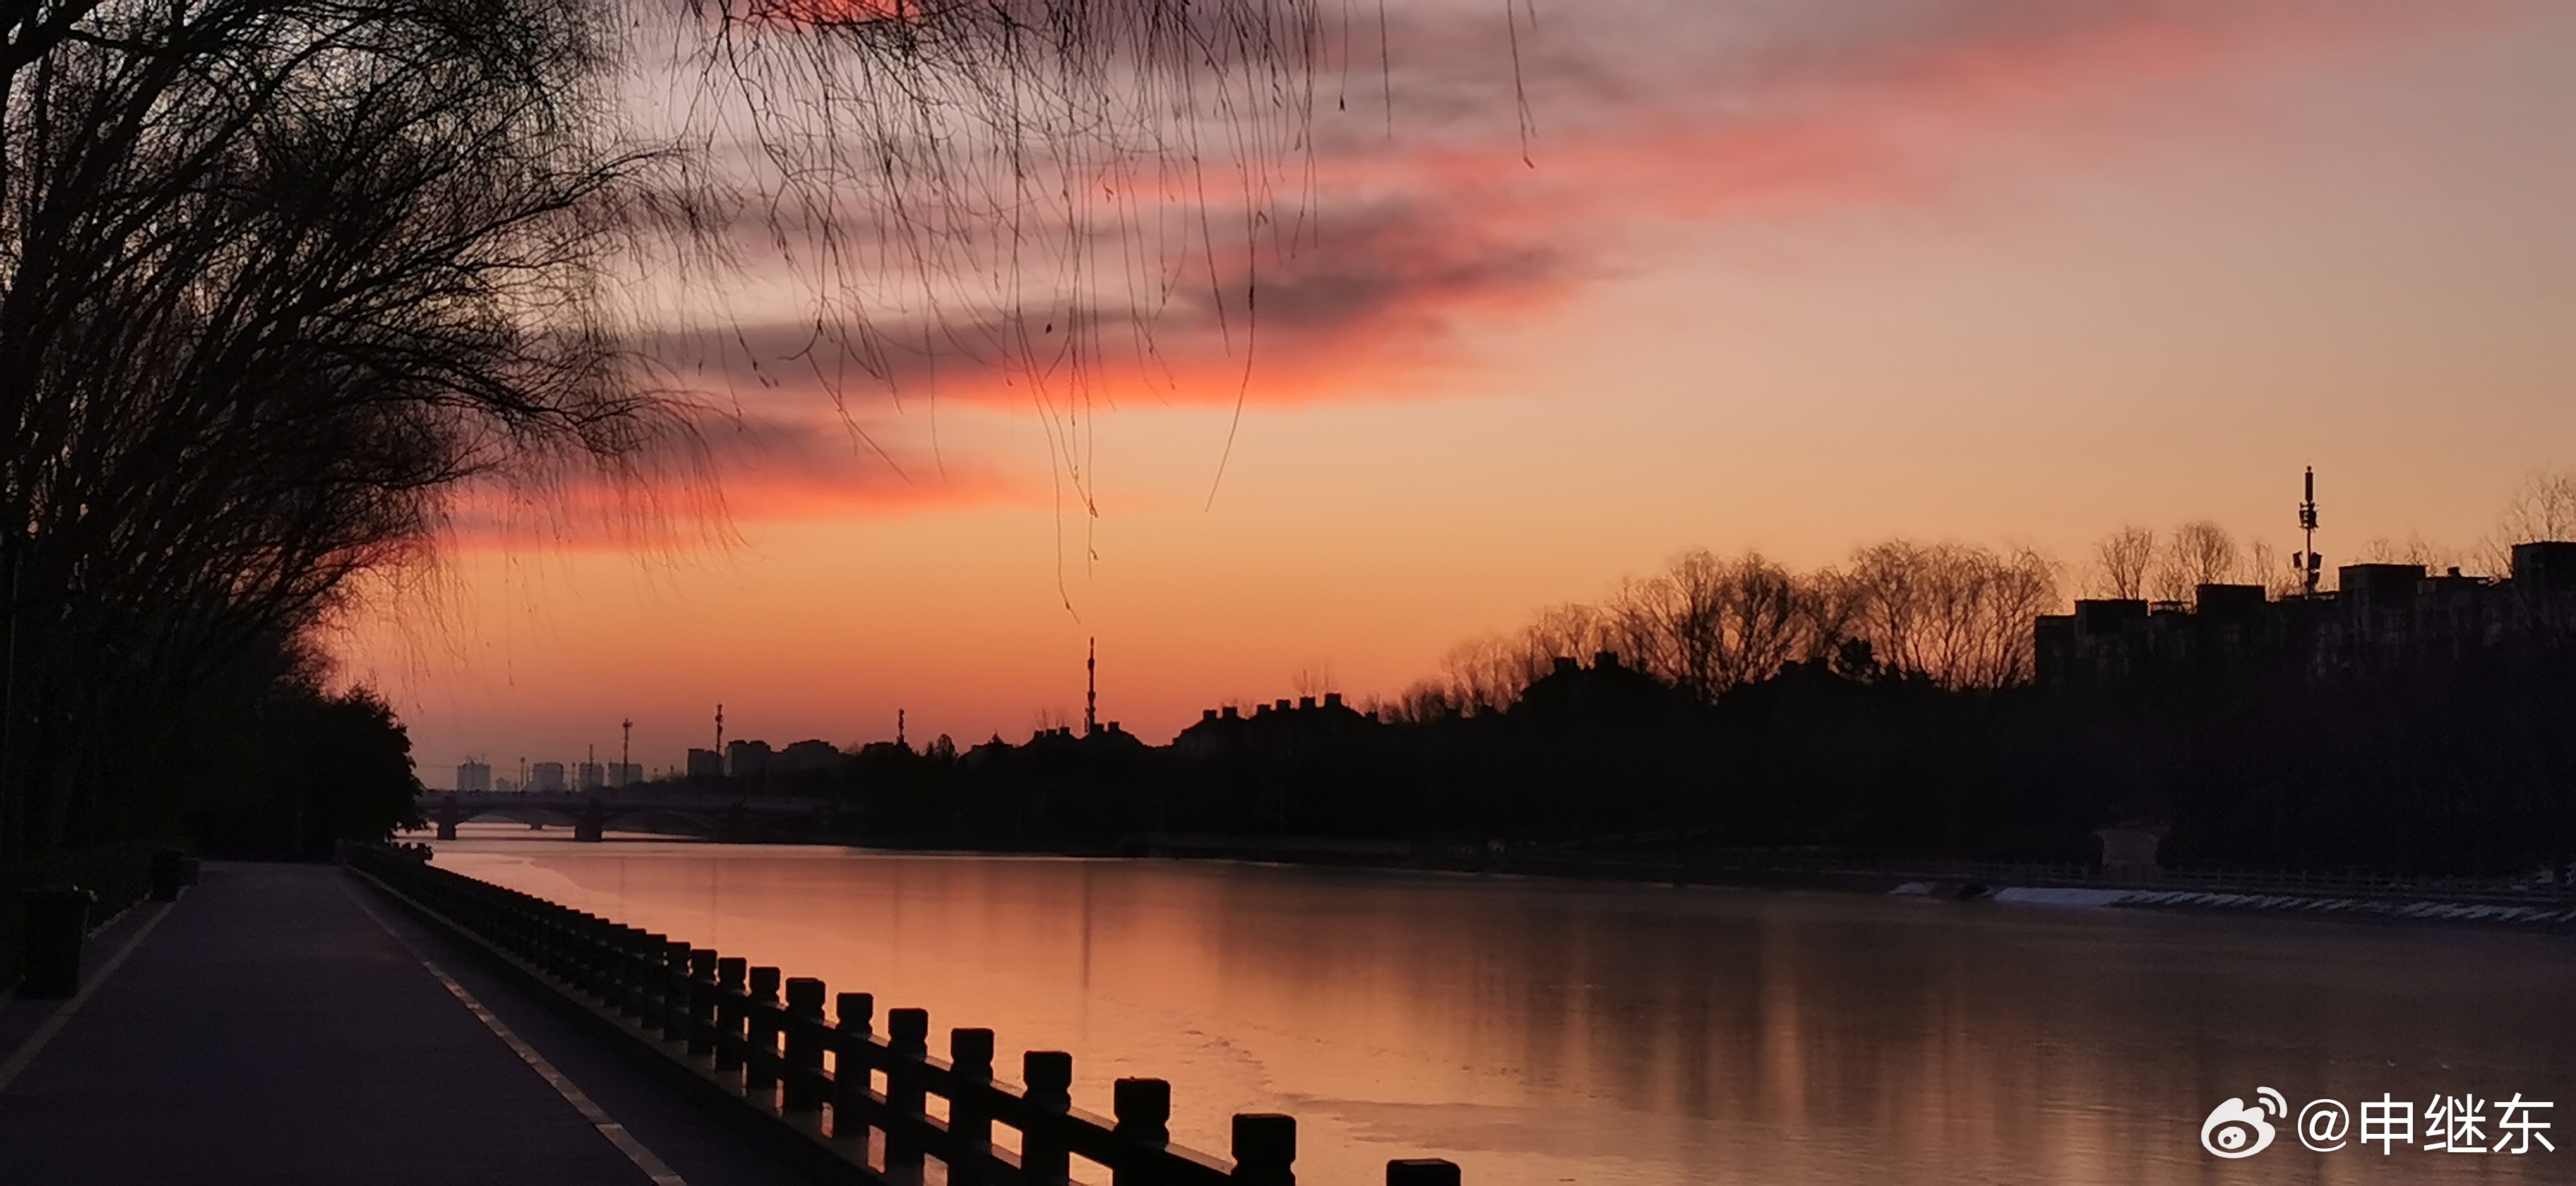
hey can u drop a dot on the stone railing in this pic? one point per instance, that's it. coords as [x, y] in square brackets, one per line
[880, 1105]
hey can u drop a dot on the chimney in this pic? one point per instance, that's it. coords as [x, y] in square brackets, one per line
[1565, 665]
[1332, 700]
[1282, 705]
[1305, 702]
[1605, 660]
[1232, 713]
[1207, 714]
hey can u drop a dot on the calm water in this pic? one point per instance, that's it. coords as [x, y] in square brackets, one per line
[1540, 1032]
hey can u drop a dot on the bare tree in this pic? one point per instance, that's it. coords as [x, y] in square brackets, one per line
[1891, 598]
[2543, 508]
[2125, 558]
[1958, 614]
[2414, 549]
[1314, 679]
[1707, 624]
[2265, 566]
[277, 276]
[2198, 553]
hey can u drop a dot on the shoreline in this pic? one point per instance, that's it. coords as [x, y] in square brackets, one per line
[2061, 888]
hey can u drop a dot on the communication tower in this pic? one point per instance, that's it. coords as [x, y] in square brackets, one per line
[2308, 563]
[1091, 690]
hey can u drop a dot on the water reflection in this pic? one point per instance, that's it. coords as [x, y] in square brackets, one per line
[1541, 1032]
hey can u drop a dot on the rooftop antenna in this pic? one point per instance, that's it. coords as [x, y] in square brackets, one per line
[1091, 693]
[898, 728]
[626, 750]
[2307, 563]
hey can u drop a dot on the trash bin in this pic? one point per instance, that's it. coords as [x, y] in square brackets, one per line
[57, 924]
[169, 872]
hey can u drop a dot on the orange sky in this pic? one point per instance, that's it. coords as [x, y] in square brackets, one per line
[1779, 278]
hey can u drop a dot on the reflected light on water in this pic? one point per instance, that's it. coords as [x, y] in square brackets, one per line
[1544, 1032]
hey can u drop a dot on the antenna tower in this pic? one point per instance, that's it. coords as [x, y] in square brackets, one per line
[2307, 563]
[898, 728]
[626, 749]
[1091, 692]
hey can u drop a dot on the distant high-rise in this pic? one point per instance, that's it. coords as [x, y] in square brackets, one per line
[705, 763]
[591, 776]
[546, 777]
[473, 777]
[806, 757]
[747, 758]
[624, 774]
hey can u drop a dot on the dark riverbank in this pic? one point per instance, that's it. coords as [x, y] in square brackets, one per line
[2346, 896]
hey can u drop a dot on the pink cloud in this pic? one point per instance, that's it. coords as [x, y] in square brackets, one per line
[1649, 112]
[746, 468]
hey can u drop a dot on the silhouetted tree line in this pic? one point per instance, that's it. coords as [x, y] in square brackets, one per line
[1734, 704]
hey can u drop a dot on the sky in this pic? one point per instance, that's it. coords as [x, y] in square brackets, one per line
[1744, 274]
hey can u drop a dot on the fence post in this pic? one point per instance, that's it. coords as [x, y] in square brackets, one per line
[908, 1039]
[1421, 1171]
[760, 1056]
[970, 1122]
[1144, 1111]
[804, 1045]
[702, 1001]
[637, 971]
[676, 1019]
[1048, 1078]
[1265, 1148]
[599, 959]
[729, 1005]
[852, 1015]
[580, 953]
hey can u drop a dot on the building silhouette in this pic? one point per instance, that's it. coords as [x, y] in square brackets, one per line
[1275, 726]
[811, 756]
[473, 777]
[747, 759]
[545, 777]
[2380, 617]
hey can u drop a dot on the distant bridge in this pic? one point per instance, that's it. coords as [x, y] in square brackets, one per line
[643, 809]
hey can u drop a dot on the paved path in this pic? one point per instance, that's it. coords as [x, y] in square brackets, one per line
[284, 1024]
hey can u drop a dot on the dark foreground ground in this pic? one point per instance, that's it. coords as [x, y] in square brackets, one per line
[283, 1024]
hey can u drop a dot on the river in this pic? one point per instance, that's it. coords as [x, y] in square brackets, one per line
[1541, 1032]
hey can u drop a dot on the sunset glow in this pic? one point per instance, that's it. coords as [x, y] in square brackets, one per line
[1763, 276]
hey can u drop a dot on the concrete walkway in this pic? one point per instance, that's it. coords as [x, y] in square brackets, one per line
[284, 1024]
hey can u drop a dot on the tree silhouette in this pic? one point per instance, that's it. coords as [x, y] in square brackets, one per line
[279, 278]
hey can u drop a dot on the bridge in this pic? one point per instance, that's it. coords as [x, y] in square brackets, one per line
[641, 809]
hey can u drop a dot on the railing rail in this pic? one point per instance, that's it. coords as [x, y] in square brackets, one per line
[867, 1096]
